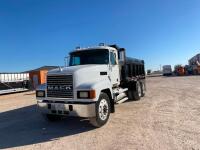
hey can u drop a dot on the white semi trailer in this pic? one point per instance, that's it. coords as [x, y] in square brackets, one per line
[13, 77]
[13, 82]
[95, 80]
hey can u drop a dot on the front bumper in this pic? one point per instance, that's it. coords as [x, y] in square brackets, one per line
[71, 109]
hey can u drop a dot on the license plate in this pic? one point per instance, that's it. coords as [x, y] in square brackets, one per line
[59, 106]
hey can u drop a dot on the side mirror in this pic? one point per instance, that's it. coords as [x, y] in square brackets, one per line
[122, 55]
[66, 59]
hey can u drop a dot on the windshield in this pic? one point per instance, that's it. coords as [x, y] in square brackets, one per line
[96, 56]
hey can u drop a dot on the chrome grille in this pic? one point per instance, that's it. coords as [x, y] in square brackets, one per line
[60, 86]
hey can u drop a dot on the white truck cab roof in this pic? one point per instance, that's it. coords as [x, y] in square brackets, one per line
[92, 48]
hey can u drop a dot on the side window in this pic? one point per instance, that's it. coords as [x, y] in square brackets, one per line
[112, 58]
[75, 61]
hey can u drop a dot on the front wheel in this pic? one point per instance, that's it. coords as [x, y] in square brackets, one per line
[102, 111]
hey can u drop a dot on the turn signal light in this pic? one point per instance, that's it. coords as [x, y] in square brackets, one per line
[92, 94]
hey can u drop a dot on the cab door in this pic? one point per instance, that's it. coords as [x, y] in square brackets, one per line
[114, 69]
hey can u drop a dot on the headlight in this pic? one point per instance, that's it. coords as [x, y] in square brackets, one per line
[86, 94]
[40, 93]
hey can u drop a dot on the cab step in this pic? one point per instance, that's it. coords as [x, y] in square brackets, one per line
[122, 100]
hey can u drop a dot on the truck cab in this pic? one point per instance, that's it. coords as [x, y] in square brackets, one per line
[89, 86]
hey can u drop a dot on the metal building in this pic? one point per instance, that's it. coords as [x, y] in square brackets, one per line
[38, 76]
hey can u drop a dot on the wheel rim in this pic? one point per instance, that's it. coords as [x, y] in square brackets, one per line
[103, 109]
[139, 90]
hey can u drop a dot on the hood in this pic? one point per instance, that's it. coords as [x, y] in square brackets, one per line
[74, 69]
[83, 74]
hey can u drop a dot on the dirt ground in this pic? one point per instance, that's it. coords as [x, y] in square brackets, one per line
[167, 118]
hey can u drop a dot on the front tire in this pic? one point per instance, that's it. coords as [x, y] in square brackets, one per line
[102, 111]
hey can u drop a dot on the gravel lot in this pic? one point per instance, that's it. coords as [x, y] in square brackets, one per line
[167, 118]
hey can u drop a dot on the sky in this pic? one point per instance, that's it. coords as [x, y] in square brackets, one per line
[34, 33]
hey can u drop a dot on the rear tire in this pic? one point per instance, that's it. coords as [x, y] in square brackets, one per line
[143, 89]
[102, 111]
[134, 91]
[137, 93]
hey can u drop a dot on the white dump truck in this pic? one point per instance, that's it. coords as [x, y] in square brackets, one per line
[95, 79]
